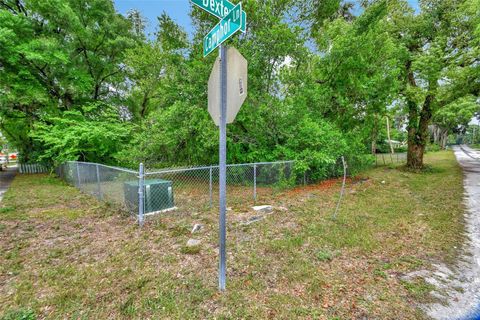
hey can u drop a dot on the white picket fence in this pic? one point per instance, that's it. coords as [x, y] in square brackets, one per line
[29, 168]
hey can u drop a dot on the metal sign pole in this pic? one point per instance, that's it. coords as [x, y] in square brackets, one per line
[232, 20]
[141, 195]
[223, 170]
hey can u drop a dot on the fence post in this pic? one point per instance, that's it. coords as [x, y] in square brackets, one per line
[141, 196]
[99, 186]
[254, 183]
[211, 186]
[79, 184]
[342, 192]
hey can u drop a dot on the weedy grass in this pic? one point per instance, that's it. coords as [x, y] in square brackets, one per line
[475, 146]
[64, 255]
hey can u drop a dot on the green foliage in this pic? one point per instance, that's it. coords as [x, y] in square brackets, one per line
[457, 113]
[20, 315]
[359, 163]
[439, 65]
[93, 133]
[145, 64]
[472, 135]
[179, 135]
[67, 67]
[324, 256]
[3, 143]
[317, 145]
[55, 56]
[433, 148]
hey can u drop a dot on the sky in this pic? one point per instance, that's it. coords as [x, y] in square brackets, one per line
[177, 9]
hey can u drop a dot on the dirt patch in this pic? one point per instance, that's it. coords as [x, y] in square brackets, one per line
[322, 186]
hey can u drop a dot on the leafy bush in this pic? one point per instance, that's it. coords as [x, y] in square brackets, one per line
[433, 148]
[94, 133]
[401, 149]
[180, 135]
[317, 146]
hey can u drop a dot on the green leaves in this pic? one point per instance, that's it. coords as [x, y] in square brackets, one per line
[94, 133]
[56, 56]
[457, 113]
[321, 80]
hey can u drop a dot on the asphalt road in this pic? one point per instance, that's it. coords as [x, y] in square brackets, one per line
[6, 178]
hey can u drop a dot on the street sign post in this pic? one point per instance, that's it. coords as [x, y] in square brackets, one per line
[222, 272]
[220, 8]
[226, 28]
[237, 86]
[227, 92]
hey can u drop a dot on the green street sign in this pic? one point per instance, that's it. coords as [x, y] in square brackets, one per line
[226, 28]
[220, 9]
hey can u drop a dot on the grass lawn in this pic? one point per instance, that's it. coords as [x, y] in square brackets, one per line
[475, 146]
[65, 255]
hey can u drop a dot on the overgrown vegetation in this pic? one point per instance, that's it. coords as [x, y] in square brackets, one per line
[63, 255]
[325, 80]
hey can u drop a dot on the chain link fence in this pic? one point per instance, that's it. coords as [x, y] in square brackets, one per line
[147, 192]
[383, 159]
[111, 184]
[198, 188]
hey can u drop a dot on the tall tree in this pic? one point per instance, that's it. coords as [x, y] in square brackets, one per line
[138, 22]
[454, 118]
[54, 57]
[355, 73]
[427, 40]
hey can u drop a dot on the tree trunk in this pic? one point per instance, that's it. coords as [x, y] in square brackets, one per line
[436, 134]
[414, 160]
[96, 94]
[143, 109]
[415, 155]
[418, 135]
[444, 139]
